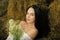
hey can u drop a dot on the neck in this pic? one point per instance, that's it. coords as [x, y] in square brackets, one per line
[30, 24]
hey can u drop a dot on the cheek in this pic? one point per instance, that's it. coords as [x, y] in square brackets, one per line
[32, 18]
[26, 17]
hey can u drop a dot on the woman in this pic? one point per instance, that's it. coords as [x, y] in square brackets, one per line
[36, 24]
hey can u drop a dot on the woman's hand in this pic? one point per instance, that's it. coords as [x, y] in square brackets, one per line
[23, 24]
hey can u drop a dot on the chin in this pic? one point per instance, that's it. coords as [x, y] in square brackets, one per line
[28, 22]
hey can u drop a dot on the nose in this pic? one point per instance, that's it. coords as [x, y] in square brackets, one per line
[28, 16]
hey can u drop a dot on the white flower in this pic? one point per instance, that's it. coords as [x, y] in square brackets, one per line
[11, 25]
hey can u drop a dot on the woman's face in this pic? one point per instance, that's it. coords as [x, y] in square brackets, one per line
[30, 16]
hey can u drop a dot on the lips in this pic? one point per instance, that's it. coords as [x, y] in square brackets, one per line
[28, 19]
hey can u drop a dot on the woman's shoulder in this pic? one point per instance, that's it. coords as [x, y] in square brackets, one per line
[22, 22]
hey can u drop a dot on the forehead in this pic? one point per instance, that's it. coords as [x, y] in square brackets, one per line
[31, 10]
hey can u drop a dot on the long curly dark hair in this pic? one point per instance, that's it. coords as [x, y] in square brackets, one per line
[41, 21]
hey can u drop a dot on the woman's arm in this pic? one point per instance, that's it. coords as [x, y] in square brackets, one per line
[23, 24]
[32, 33]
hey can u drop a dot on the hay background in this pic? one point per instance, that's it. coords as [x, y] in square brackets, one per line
[16, 9]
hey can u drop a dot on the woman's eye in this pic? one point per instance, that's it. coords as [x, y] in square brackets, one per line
[32, 14]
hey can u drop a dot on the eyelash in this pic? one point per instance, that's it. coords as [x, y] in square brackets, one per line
[30, 14]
